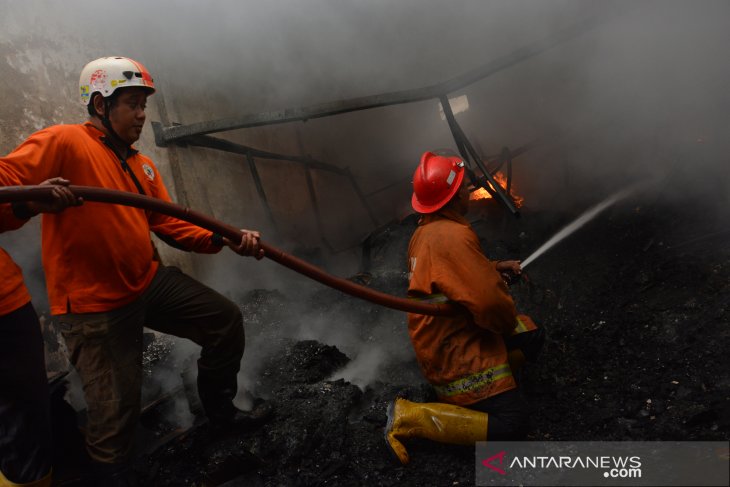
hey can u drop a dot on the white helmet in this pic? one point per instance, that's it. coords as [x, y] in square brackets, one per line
[105, 75]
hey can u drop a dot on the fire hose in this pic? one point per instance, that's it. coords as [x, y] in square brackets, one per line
[10, 194]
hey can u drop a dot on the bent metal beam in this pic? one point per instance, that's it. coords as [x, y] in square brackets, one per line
[196, 133]
[176, 132]
[43, 193]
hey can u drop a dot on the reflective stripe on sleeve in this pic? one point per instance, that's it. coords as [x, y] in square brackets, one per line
[520, 328]
[431, 298]
[475, 381]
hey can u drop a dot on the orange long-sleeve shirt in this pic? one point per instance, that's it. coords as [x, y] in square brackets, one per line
[13, 293]
[98, 257]
[464, 357]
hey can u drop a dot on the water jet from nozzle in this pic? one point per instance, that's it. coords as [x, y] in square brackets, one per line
[579, 222]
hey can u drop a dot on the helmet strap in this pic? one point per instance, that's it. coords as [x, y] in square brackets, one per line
[108, 124]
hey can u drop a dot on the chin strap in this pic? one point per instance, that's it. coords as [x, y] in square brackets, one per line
[108, 124]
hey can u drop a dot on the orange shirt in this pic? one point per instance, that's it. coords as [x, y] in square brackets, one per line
[98, 257]
[463, 357]
[13, 293]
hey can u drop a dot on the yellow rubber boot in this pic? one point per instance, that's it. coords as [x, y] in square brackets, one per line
[435, 421]
[43, 482]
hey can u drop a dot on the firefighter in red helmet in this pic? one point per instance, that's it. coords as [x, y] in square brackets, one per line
[470, 359]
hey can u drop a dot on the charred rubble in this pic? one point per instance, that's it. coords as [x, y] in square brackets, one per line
[636, 306]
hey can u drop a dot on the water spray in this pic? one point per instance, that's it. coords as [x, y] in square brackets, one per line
[579, 222]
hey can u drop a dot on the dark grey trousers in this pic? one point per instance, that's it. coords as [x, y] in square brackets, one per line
[106, 350]
[508, 412]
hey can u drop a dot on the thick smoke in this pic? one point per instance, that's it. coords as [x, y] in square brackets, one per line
[641, 92]
[640, 96]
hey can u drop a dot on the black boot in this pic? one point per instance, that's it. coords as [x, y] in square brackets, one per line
[217, 389]
[242, 421]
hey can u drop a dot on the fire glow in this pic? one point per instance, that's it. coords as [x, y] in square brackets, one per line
[482, 194]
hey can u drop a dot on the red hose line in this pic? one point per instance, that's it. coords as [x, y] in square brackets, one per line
[43, 193]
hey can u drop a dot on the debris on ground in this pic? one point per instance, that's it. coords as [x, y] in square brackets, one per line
[636, 350]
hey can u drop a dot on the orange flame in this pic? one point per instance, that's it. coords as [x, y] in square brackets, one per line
[482, 194]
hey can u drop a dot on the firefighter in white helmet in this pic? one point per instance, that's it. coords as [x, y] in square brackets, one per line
[470, 359]
[104, 283]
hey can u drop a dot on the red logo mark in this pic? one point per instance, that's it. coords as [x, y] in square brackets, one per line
[98, 78]
[488, 462]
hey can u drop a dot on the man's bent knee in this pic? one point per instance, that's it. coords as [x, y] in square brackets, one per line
[225, 344]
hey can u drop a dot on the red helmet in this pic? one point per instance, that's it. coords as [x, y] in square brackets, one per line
[436, 180]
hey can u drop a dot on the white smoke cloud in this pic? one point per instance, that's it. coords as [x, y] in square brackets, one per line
[365, 368]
